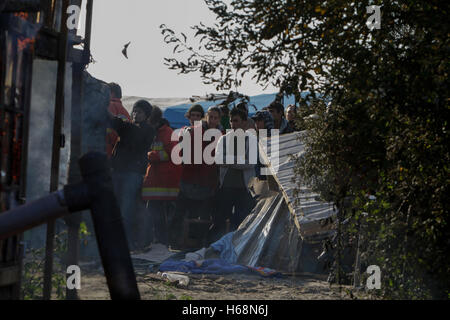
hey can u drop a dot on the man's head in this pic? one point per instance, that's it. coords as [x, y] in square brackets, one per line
[243, 106]
[213, 117]
[291, 111]
[263, 120]
[142, 110]
[116, 90]
[238, 117]
[277, 111]
[156, 117]
[195, 113]
[224, 110]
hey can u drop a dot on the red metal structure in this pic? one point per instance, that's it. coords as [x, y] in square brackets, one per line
[31, 29]
[17, 40]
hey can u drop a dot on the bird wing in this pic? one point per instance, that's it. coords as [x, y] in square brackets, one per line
[124, 51]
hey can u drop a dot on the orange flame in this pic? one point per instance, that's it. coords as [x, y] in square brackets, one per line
[23, 43]
[22, 15]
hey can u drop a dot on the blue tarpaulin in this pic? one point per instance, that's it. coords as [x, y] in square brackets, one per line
[210, 266]
[225, 246]
[225, 265]
[214, 266]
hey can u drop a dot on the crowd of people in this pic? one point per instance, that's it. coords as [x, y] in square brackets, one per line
[217, 194]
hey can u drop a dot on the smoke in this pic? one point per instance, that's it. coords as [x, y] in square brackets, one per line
[95, 114]
[96, 97]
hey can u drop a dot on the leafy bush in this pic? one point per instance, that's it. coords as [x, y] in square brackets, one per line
[33, 277]
[385, 133]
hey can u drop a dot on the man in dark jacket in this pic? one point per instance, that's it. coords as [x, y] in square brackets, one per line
[280, 122]
[129, 162]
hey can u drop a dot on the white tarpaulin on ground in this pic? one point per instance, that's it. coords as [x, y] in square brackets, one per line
[157, 254]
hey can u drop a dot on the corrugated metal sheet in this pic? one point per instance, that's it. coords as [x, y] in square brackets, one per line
[311, 214]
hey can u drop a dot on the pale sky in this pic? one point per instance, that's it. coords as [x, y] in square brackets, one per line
[116, 22]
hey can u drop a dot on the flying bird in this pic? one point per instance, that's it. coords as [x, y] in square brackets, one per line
[125, 48]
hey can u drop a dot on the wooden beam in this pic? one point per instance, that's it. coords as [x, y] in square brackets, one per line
[22, 6]
[57, 129]
[73, 221]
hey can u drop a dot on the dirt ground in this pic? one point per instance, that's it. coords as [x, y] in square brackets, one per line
[220, 287]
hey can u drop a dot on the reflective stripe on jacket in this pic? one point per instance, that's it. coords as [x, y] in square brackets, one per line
[162, 180]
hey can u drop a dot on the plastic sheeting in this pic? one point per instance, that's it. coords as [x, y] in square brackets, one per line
[268, 237]
[158, 253]
[225, 246]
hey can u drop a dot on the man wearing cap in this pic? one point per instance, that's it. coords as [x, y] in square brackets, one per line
[280, 122]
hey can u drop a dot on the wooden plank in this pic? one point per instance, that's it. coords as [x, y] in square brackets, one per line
[47, 44]
[58, 122]
[22, 5]
[47, 47]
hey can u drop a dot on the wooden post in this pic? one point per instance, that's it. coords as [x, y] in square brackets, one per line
[57, 129]
[73, 221]
[357, 269]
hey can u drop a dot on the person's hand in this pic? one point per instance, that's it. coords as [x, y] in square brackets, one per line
[231, 97]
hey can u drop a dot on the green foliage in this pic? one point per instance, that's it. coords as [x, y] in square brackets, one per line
[170, 296]
[84, 233]
[32, 283]
[33, 278]
[84, 230]
[385, 132]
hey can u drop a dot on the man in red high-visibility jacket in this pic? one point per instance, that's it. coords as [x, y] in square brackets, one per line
[116, 109]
